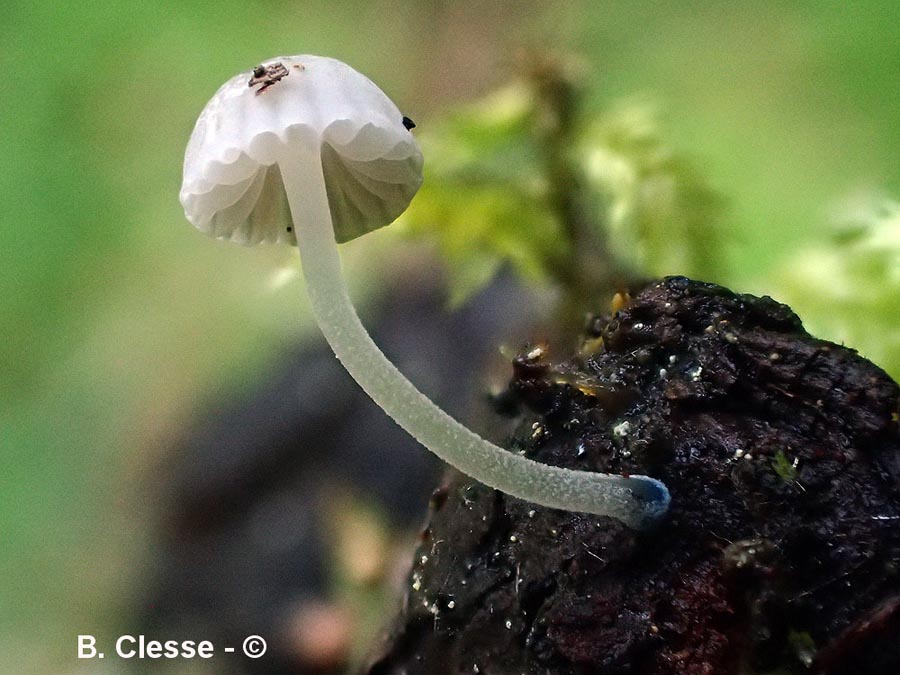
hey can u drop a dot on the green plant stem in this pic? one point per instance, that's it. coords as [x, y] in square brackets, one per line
[587, 270]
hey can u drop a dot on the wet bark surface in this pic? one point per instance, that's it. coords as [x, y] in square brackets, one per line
[781, 551]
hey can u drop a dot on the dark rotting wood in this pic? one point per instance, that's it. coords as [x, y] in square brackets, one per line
[781, 551]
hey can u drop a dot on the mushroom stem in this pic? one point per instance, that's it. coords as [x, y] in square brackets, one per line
[638, 501]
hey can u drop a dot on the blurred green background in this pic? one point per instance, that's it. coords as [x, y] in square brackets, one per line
[119, 320]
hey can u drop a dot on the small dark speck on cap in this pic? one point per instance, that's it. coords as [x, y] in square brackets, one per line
[408, 123]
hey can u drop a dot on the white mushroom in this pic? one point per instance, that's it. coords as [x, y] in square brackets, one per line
[306, 150]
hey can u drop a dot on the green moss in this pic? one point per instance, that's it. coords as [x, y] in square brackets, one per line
[784, 467]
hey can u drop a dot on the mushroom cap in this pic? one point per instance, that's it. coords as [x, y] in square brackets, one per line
[232, 187]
